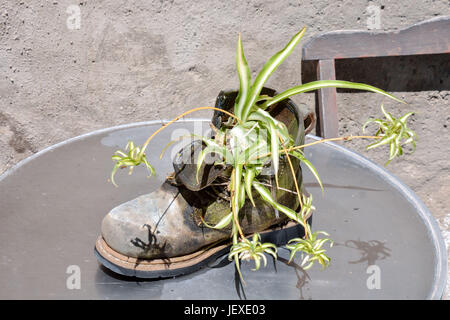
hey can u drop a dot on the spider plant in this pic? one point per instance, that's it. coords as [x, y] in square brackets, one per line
[252, 139]
[392, 131]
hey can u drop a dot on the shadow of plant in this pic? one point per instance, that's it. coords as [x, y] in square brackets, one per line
[303, 277]
[152, 243]
[371, 251]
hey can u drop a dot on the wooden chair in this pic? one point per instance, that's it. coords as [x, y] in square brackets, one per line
[319, 54]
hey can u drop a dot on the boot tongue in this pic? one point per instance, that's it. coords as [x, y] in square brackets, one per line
[185, 165]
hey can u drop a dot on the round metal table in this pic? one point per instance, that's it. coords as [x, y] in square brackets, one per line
[387, 244]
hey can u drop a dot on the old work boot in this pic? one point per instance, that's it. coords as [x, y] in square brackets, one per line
[162, 234]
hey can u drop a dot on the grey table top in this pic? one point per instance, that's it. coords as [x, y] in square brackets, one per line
[387, 244]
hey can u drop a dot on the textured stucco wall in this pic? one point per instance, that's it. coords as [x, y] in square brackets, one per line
[141, 60]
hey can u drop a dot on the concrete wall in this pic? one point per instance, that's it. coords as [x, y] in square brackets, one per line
[128, 61]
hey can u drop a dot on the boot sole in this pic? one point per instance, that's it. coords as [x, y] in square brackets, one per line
[182, 265]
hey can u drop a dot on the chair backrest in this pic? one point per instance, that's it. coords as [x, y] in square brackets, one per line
[427, 37]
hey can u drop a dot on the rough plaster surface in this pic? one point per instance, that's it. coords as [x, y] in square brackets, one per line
[143, 60]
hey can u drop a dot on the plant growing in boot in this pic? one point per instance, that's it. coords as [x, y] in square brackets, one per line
[253, 174]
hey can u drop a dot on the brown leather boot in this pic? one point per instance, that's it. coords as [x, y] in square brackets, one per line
[161, 234]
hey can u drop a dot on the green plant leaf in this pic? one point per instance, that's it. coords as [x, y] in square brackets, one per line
[258, 148]
[236, 188]
[381, 142]
[266, 119]
[391, 131]
[320, 84]
[299, 155]
[263, 97]
[267, 196]
[113, 173]
[275, 149]
[225, 221]
[276, 130]
[252, 250]
[244, 79]
[241, 195]
[266, 71]
[387, 114]
[234, 234]
[249, 176]
[311, 249]
[211, 148]
[135, 157]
